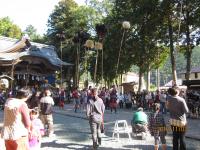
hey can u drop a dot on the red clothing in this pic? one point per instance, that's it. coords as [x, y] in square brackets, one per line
[113, 103]
[102, 95]
[75, 94]
[20, 144]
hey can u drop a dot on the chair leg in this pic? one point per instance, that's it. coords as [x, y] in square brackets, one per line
[129, 136]
[118, 136]
[113, 135]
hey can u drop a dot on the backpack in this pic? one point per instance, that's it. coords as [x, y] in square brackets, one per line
[95, 115]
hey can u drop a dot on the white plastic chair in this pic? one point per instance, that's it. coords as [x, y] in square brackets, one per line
[121, 127]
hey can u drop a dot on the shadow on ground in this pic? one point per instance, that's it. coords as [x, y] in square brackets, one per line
[143, 147]
[75, 146]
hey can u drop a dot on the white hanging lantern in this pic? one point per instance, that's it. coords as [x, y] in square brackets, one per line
[89, 44]
[4, 83]
[126, 25]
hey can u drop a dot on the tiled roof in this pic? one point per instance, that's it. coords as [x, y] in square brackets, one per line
[10, 49]
[195, 69]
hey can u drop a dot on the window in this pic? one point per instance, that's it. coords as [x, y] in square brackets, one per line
[196, 75]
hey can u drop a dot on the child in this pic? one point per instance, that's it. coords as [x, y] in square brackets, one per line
[36, 131]
[157, 127]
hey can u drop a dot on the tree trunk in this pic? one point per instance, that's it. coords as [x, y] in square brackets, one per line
[121, 81]
[78, 64]
[74, 76]
[188, 48]
[148, 79]
[172, 52]
[158, 78]
[108, 82]
[69, 76]
[141, 75]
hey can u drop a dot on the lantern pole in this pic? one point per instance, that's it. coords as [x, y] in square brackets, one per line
[120, 49]
[61, 69]
[89, 44]
[125, 26]
[101, 31]
[96, 63]
[102, 67]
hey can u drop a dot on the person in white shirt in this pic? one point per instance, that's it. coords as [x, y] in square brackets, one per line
[121, 100]
[46, 110]
[149, 100]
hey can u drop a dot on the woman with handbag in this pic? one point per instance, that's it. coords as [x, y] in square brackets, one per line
[94, 112]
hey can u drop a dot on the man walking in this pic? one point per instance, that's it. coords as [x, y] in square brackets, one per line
[95, 111]
[46, 107]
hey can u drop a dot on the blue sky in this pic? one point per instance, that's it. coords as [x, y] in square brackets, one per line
[26, 12]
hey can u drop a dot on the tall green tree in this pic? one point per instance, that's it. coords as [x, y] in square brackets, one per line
[141, 41]
[168, 10]
[9, 29]
[70, 20]
[190, 12]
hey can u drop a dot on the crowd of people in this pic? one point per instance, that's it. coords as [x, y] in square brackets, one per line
[32, 111]
[27, 117]
[157, 103]
[171, 100]
[193, 101]
[155, 122]
[114, 99]
[109, 98]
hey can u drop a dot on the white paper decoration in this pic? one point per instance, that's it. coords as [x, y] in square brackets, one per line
[89, 44]
[98, 46]
[126, 25]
